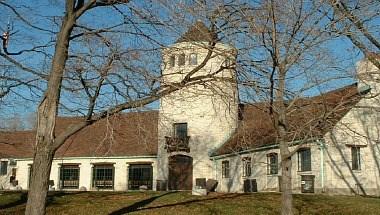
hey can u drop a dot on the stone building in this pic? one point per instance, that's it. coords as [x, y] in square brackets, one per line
[201, 133]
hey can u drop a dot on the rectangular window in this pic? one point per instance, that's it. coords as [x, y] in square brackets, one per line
[247, 166]
[140, 175]
[172, 61]
[180, 130]
[69, 177]
[304, 160]
[3, 167]
[181, 59]
[225, 169]
[102, 176]
[193, 59]
[355, 154]
[272, 160]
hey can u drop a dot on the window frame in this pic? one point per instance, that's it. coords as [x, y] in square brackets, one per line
[303, 166]
[181, 59]
[172, 61]
[193, 59]
[272, 163]
[3, 168]
[356, 158]
[105, 177]
[71, 168]
[139, 175]
[247, 166]
[225, 169]
[180, 135]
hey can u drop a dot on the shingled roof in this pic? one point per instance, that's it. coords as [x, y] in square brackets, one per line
[198, 32]
[127, 134]
[307, 118]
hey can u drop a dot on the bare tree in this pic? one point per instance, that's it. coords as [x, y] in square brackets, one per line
[356, 20]
[96, 69]
[282, 56]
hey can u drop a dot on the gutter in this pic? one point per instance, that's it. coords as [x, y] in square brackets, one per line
[262, 148]
[75, 158]
[322, 147]
[216, 157]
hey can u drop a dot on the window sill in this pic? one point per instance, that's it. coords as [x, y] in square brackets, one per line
[309, 172]
[272, 175]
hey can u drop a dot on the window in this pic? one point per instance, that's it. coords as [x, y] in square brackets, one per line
[69, 177]
[272, 160]
[247, 166]
[172, 61]
[355, 154]
[102, 176]
[227, 62]
[140, 175]
[304, 160]
[193, 59]
[3, 167]
[181, 59]
[180, 130]
[225, 169]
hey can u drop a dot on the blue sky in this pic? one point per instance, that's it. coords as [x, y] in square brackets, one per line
[47, 14]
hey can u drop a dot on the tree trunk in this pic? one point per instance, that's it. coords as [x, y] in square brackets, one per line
[286, 183]
[46, 118]
[39, 186]
[286, 162]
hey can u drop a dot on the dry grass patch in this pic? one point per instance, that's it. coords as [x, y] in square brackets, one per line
[114, 203]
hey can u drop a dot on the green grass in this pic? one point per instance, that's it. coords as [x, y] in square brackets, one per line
[184, 203]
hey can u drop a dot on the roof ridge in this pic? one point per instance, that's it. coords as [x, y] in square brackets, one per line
[198, 32]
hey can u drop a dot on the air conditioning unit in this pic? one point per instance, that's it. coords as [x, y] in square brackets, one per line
[307, 183]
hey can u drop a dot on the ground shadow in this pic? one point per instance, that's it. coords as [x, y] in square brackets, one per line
[138, 205]
[56, 194]
[50, 198]
[23, 198]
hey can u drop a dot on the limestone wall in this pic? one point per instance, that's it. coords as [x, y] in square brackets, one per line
[267, 182]
[85, 168]
[208, 108]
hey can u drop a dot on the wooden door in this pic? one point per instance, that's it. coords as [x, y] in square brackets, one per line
[180, 172]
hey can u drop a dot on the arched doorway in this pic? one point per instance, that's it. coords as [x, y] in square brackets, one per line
[180, 172]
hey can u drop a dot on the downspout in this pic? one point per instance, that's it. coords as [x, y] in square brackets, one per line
[215, 168]
[322, 164]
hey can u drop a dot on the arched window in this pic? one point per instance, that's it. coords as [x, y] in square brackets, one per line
[172, 61]
[228, 62]
[181, 59]
[193, 59]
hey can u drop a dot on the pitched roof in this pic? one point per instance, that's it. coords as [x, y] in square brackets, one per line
[307, 118]
[127, 134]
[198, 32]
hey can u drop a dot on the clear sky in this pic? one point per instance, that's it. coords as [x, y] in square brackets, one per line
[171, 21]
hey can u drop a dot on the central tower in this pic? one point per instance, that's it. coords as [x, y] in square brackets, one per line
[195, 120]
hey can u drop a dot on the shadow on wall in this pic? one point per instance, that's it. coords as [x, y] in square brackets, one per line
[370, 125]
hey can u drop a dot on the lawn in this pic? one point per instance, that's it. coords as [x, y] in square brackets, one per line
[114, 203]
